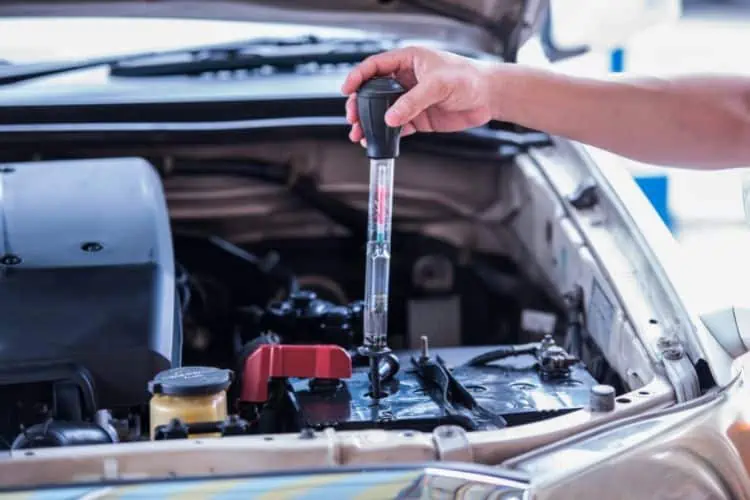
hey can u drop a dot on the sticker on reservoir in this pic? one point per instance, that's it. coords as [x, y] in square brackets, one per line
[600, 314]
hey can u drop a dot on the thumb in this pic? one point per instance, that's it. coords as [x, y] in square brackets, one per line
[415, 101]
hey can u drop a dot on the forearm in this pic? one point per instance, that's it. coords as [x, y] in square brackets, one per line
[697, 122]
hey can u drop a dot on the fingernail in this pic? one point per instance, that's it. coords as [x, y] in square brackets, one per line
[363, 143]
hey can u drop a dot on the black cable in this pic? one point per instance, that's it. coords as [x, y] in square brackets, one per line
[502, 353]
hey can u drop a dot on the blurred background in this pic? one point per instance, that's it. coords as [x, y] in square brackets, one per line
[703, 209]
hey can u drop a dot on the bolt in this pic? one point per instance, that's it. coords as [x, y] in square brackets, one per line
[673, 353]
[425, 346]
[10, 260]
[307, 433]
[547, 342]
[671, 348]
[665, 342]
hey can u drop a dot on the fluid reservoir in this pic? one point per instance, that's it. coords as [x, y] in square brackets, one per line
[191, 393]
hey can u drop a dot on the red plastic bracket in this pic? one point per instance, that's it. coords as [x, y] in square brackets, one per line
[280, 360]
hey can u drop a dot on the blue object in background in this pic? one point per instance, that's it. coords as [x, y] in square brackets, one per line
[617, 61]
[656, 189]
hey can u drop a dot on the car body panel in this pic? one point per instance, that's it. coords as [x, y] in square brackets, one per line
[412, 481]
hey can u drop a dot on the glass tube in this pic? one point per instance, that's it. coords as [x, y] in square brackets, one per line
[378, 254]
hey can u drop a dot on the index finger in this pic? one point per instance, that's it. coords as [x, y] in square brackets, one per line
[382, 64]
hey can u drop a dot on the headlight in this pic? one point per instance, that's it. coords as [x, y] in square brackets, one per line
[700, 449]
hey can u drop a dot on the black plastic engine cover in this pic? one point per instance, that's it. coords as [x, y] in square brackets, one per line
[86, 278]
[512, 389]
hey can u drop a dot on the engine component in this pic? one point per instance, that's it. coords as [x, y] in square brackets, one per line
[316, 362]
[190, 394]
[552, 360]
[388, 367]
[103, 418]
[373, 100]
[602, 398]
[510, 391]
[34, 394]
[304, 318]
[62, 433]
[433, 273]
[450, 394]
[87, 279]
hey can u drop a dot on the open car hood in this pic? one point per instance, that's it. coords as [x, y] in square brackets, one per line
[501, 26]
[509, 22]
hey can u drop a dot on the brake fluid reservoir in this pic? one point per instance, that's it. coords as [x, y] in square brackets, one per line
[191, 393]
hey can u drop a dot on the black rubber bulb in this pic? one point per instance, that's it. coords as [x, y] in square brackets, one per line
[374, 97]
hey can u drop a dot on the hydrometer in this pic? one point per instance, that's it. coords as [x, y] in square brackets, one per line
[373, 100]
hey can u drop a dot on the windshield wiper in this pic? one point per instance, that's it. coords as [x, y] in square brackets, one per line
[272, 59]
[282, 52]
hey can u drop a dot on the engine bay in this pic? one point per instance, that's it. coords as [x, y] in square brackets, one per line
[150, 324]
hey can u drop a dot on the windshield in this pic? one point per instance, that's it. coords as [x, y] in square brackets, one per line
[79, 38]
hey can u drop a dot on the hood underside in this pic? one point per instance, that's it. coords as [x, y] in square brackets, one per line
[502, 24]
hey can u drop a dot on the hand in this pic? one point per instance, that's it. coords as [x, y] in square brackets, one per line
[445, 92]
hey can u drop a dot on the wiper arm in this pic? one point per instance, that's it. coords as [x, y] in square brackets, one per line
[158, 63]
[277, 58]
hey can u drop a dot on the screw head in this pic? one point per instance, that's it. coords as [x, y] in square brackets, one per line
[10, 260]
[92, 246]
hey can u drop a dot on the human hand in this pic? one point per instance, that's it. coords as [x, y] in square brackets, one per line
[445, 92]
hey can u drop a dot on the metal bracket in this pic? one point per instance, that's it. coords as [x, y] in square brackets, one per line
[678, 369]
[452, 444]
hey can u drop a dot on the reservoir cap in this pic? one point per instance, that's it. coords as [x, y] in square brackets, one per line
[191, 381]
[374, 98]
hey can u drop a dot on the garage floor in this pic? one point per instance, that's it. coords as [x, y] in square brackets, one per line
[706, 206]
